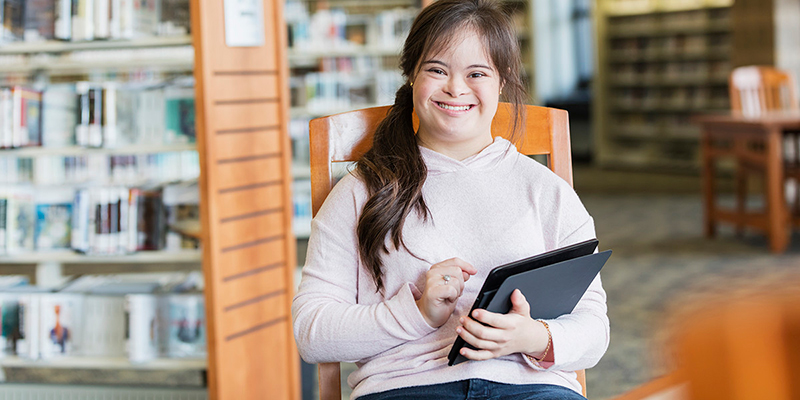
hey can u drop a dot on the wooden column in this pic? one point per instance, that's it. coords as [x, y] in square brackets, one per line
[246, 205]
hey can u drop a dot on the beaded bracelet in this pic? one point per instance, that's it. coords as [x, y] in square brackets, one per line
[546, 349]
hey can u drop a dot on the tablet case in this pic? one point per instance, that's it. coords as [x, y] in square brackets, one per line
[552, 282]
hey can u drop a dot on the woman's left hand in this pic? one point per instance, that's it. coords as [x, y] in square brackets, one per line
[502, 334]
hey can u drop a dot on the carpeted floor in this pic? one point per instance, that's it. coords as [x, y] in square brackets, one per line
[653, 223]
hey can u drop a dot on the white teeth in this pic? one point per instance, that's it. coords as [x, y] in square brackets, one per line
[453, 108]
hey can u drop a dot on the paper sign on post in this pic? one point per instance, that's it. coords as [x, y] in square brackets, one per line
[244, 23]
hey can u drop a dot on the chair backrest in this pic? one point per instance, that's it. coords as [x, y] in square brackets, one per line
[756, 89]
[346, 137]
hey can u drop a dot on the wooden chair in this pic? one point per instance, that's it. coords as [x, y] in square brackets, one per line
[733, 344]
[346, 137]
[755, 90]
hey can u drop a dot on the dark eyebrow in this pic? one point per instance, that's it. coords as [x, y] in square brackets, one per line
[480, 66]
[445, 65]
[434, 62]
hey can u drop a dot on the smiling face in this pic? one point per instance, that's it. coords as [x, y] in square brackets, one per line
[456, 92]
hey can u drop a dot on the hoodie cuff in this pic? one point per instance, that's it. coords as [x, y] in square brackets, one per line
[403, 307]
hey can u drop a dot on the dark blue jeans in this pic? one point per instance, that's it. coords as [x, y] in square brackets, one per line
[477, 389]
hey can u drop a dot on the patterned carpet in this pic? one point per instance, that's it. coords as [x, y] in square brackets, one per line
[653, 223]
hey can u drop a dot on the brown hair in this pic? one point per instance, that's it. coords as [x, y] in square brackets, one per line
[394, 170]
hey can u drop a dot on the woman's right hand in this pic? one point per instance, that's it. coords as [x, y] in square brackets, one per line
[444, 283]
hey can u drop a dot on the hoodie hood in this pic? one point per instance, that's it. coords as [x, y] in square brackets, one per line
[489, 157]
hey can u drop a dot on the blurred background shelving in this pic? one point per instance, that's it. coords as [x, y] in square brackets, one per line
[659, 63]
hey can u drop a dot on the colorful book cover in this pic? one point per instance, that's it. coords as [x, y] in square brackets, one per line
[186, 330]
[53, 226]
[10, 324]
[180, 115]
[60, 324]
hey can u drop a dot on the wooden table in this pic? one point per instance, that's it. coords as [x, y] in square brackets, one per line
[756, 141]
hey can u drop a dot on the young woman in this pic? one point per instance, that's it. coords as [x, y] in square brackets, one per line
[402, 245]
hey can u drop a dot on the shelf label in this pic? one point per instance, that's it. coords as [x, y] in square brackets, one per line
[244, 23]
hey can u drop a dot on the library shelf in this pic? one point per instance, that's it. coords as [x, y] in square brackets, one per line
[105, 363]
[63, 46]
[33, 152]
[720, 27]
[297, 56]
[54, 67]
[71, 257]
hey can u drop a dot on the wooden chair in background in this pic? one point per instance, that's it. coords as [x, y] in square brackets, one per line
[732, 344]
[754, 92]
[346, 137]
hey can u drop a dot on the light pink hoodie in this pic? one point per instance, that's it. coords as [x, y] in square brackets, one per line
[492, 208]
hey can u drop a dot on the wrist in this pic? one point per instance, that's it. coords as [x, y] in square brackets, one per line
[542, 347]
[420, 307]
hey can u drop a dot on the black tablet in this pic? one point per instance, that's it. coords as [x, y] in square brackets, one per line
[553, 283]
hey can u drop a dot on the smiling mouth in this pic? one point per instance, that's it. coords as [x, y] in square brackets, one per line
[449, 107]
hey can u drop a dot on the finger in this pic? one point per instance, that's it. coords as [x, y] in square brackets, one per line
[476, 355]
[464, 266]
[437, 275]
[475, 341]
[519, 304]
[495, 320]
[483, 332]
[444, 293]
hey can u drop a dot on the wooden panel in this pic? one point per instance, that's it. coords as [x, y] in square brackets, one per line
[245, 313]
[248, 248]
[226, 87]
[238, 116]
[259, 359]
[248, 229]
[267, 251]
[264, 140]
[235, 175]
[240, 203]
[254, 279]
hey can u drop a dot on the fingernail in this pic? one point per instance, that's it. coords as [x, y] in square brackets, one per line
[458, 330]
[461, 320]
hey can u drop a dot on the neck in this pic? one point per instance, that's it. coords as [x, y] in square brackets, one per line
[457, 150]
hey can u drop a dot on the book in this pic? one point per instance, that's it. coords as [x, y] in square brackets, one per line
[10, 325]
[102, 19]
[60, 324]
[82, 20]
[3, 230]
[53, 226]
[12, 17]
[27, 109]
[62, 26]
[59, 115]
[40, 16]
[185, 328]
[174, 18]
[20, 217]
[179, 110]
[104, 331]
[143, 331]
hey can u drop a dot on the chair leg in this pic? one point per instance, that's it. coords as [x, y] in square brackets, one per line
[741, 197]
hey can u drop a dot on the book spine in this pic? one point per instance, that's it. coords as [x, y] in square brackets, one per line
[143, 330]
[3, 223]
[63, 20]
[102, 19]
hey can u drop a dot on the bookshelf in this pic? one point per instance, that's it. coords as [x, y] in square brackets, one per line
[148, 63]
[659, 62]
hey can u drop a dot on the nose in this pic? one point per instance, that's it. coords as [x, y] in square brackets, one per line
[455, 86]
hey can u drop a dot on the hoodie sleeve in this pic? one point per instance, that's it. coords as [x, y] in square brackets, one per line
[579, 339]
[329, 324]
